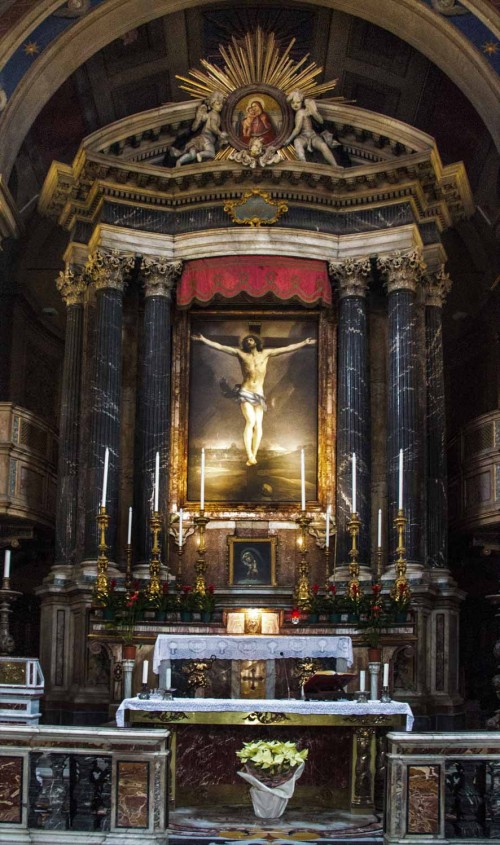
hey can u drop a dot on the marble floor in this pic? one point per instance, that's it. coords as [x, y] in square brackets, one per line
[227, 824]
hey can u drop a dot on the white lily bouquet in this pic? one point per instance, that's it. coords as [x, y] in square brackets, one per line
[271, 760]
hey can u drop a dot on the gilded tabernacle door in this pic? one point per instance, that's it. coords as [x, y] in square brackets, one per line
[256, 393]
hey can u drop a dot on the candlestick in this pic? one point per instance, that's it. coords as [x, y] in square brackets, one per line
[362, 680]
[400, 486]
[385, 678]
[202, 481]
[129, 531]
[327, 527]
[145, 667]
[379, 529]
[302, 480]
[6, 565]
[353, 506]
[105, 478]
[168, 677]
[180, 527]
[157, 482]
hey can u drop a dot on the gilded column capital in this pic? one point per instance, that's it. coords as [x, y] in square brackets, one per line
[72, 285]
[436, 287]
[160, 276]
[107, 269]
[351, 276]
[402, 269]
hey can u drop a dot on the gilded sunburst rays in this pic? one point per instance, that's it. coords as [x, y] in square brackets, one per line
[256, 60]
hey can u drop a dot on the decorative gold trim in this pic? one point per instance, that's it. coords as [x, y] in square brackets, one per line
[280, 206]
[268, 718]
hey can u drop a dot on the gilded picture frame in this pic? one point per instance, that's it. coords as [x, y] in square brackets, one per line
[252, 561]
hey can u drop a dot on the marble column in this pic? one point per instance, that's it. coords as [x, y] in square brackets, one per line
[107, 273]
[154, 403]
[353, 416]
[71, 284]
[436, 287]
[402, 272]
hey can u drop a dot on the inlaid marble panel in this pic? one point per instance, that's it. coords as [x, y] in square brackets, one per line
[11, 789]
[132, 794]
[423, 799]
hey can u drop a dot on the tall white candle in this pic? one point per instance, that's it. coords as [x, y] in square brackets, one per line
[400, 490]
[145, 667]
[302, 480]
[129, 531]
[362, 680]
[105, 478]
[385, 679]
[379, 529]
[6, 564]
[168, 677]
[202, 481]
[157, 481]
[353, 506]
[327, 531]
[180, 528]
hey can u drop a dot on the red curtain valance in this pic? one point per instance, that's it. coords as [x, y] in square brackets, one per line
[305, 280]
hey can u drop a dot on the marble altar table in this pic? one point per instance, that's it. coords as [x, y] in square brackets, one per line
[206, 732]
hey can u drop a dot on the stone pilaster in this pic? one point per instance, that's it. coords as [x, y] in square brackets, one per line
[402, 272]
[436, 287]
[353, 416]
[107, 273]
[71, 284]
[154, 407]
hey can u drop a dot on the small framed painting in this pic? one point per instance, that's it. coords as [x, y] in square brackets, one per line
[252, 561]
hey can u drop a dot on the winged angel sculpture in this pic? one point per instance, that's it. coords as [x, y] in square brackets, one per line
[304, 137]
[204, 142]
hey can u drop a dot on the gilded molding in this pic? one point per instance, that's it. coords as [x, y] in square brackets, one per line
[160, 276]
[352, 276]
[107, 269]
[72, 285]
[436, 287]
[402, 270]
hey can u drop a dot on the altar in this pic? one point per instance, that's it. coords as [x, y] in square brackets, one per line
[343, 737]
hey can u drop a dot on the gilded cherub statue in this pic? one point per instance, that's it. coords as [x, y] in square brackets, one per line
[304, 137]
[203, 144]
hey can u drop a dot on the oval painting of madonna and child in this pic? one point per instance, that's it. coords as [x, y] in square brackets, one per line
[257, 118]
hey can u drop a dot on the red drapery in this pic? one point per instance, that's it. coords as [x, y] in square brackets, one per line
[301, 279]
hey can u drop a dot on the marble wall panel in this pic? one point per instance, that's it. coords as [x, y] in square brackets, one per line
[423, 799]
[49, 792]
[11, 790]
[132, 794]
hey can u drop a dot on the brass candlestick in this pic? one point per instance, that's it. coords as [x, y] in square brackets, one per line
[154, 587]
[378, 564]
[400, 591]
[128, 569]
[353, 587]
[302, 592]
[201, 521]
[101, 584]
[7, 597]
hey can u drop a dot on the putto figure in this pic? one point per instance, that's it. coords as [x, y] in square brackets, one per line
[253, 359]
[304, 137]
[203, 145]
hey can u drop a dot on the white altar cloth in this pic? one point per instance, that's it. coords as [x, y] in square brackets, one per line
[262, 647]
[266, 705]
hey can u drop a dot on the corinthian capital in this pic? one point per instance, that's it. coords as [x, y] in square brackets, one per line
[160, 276]
[107, 269]
[437, 287]
[402, 269]
[72, 285]
[351, 276]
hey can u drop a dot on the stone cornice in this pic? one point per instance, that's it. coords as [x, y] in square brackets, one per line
[401, 270]
[159, 276]
[352, 276]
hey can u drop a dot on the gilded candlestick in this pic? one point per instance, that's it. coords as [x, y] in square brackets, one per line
[353, 587]
[302, 592]
[101, 584]
[7, 597]
[128, 568]
[201, 521]
[400, 591]
[154, 587]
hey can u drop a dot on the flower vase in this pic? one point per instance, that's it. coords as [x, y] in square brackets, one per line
[206, 616]
[186, 616]
[312, 618]
[108, 613]
[269, 802]
[374, 654]
[129, 651]
[335, 618]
